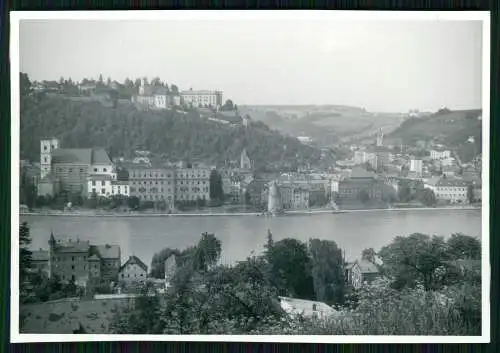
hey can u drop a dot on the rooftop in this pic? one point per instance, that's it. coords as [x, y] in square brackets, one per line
[80, 156]
[360, 173]
[367, 266]
[109, 251]
[135, 260]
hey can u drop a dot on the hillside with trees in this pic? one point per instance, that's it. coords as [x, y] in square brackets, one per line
[451, 128]
[167, 134]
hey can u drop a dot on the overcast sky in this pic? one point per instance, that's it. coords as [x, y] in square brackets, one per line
[382, 66]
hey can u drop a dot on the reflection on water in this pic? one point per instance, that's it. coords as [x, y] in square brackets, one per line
[240, 235]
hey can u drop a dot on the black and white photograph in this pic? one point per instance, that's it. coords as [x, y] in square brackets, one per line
[294, 176]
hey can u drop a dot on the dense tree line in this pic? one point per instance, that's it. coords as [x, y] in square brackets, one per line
[166, 134]
[418, 293]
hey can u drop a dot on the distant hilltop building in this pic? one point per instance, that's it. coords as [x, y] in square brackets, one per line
[202, 98]
[156, 97]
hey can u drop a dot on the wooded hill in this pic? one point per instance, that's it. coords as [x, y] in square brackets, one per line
[167, 134]
[451, 128]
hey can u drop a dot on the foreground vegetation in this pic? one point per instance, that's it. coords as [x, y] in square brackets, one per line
[420, 291]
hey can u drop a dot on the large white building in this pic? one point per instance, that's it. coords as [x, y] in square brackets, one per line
[200, 98]
[449, 190]
[362, 157]
[416, 166]
[440, 154]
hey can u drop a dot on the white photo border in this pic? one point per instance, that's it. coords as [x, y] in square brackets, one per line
[17, 16]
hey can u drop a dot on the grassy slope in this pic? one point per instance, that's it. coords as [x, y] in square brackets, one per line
[94, 315]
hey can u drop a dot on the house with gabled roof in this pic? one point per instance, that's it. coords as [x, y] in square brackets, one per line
[133, 270]
[360, 272]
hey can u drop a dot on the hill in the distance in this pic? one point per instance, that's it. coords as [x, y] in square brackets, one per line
[451, 128]
[326, 124]
[167, 134]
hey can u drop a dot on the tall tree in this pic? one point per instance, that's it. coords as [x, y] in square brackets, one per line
[207, 252]
[327, 271]
[369, 255]
[216, 190]
[25, 260]
[158, 262]
[24, 84]
[464, 247]
[174, 89]
[414, 259]
[291, 268]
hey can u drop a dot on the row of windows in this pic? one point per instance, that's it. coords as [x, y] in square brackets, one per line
[152, 190]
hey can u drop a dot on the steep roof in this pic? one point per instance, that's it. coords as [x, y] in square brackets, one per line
[73, 247]
[80, 156]
[94, 258]
[72, 155]
[109, 251]
[360, 173]
[367, 266]
[100, 156]
[135, 260]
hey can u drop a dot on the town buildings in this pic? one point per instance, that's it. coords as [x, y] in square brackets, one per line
[202, 98]
[81, 262]
[76, 171]
[133, 271]
[363, 157]
[416, 166]
[155, 97]
[192, 184]
[360, 180]
[152, 183]
[449, 190]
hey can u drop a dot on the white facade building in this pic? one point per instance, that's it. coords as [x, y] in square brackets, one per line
[120, 188]
[416, 166]
[101, 185]
[202, 98]
[449, 190]
[438, 154]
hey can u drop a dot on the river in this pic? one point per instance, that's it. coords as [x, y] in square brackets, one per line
[240, 235]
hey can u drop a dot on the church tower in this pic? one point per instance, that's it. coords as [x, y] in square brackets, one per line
[46, 148]
[245, 162]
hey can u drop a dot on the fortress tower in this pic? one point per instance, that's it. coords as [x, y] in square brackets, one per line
[274, 204]
[46, 147]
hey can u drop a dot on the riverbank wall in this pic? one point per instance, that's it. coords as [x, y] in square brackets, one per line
[234, 214]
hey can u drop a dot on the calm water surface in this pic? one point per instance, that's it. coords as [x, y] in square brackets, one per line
[240, 235]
